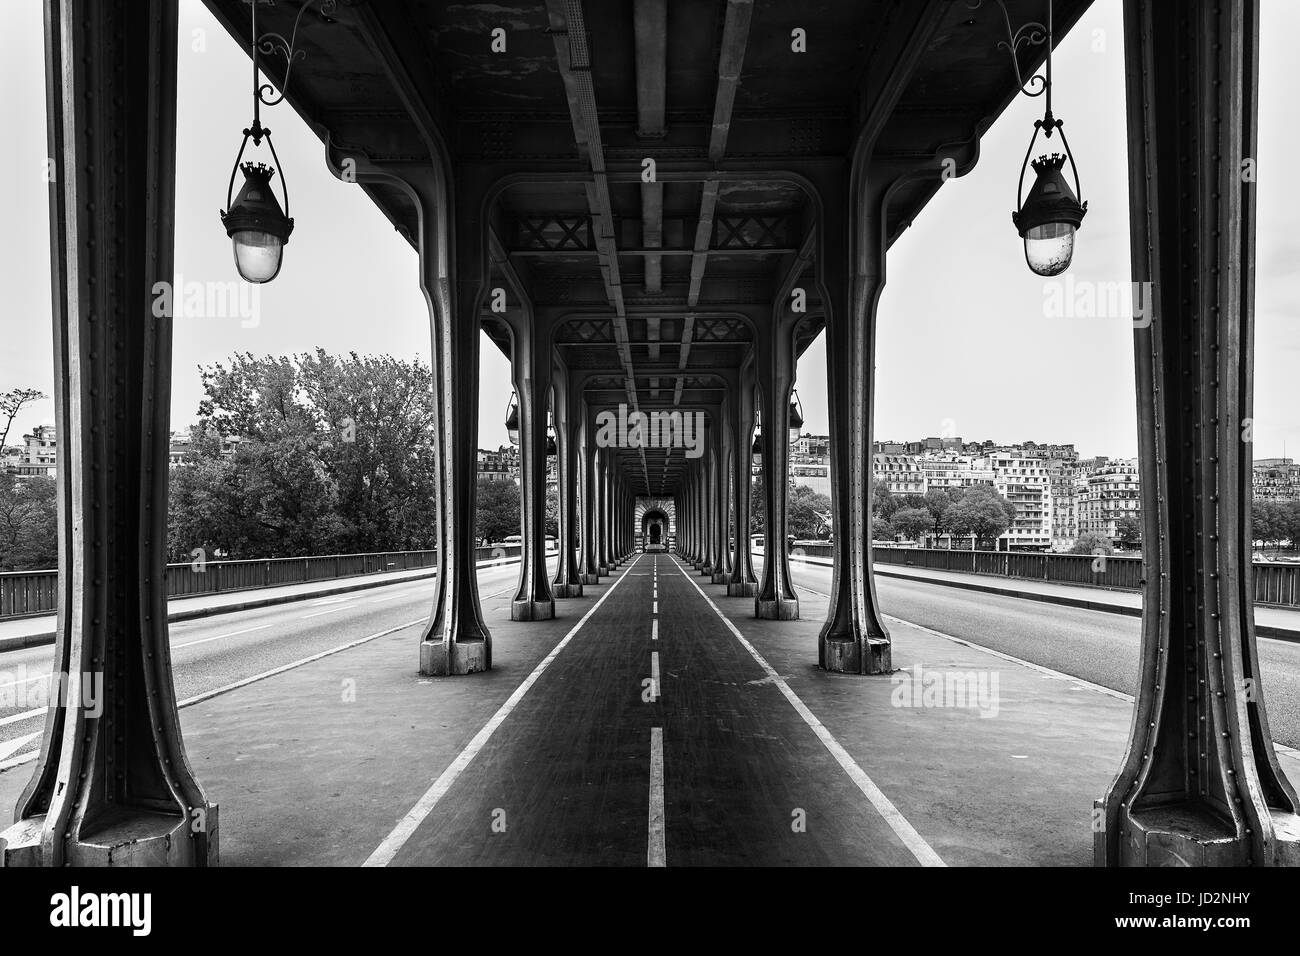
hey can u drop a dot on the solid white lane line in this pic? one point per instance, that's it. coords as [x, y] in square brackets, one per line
[654, 630]
[655, 854]
[911, 839]
[204, 640]
[18, 743]
[28, 715]
[333, 610]
[25, 715]
[227, 688]
[1046, 671]
[406, 827]
[25, 680]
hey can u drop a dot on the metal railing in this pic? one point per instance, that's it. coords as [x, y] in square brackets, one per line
[24, 593]
[1274, 584]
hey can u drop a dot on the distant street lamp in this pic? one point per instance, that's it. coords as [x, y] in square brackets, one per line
[1048, 218]
[796, 417]
[255, 221]
[512, 418]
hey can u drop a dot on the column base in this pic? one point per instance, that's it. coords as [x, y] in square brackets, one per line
[589, 578]
[604, 570]
[778, 609]
[454, 658]
[567, 590]
[126, 838]
[721, 577]
[1186, 835]
[872, 655]
[742, 588]
[529, 610]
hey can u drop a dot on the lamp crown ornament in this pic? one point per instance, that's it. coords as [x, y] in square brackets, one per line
[1048, 218]
[257, 224]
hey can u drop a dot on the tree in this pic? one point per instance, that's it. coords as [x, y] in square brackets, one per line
[757, 506]
[981, 512]
[804, 511]
[11, 403]
[912, 523]
[1092, 542]
[498, 514]
[883, 502]
[29, 528]
[937, 502]
[553, 511]
[1128, 531]
[330, 453]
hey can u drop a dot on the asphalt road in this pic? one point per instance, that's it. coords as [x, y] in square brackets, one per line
[213, 652]
[210, 653]
[1094, 645]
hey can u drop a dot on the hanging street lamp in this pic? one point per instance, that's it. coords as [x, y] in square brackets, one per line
[512, 418]
[255, 221]
[796, 417]
[1048, 218]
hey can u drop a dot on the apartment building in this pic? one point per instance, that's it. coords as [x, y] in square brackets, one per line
[899, 473]
[1113, 493]
[1275, 479]
[1025, 483]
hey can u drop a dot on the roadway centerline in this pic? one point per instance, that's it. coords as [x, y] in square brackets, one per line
[656, 854]
[406, 827]
[915, 843]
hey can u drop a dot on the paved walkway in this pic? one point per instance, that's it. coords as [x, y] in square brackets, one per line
[630, 734]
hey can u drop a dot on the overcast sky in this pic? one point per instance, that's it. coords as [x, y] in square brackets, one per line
[966, 344]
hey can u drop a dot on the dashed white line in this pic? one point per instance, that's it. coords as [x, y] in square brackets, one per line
[406, 827]
[656, 854]
[915, 843]
[654, 630]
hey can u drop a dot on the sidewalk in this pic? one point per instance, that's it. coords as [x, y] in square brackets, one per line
[18, 633]
[1279, 623]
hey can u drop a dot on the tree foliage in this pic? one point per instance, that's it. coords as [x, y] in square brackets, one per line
[499, 514]
[982, 512]
[29, 536]
[331, 454]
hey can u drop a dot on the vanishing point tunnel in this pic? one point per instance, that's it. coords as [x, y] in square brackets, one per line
[653, 207]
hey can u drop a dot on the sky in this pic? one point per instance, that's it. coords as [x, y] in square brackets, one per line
[967, 345]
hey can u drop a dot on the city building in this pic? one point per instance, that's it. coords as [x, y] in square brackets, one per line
[899, 473]
[1113, 494]
[1026, 484]
[1275, 479]
[499, 465]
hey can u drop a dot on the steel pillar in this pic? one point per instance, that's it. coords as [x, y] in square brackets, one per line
[743, 583]
[1200, 784]
[590, 530]
[851, 273]
[568, 577]
[112, 785]
[602, 510]
[531, 368]
[776, 599]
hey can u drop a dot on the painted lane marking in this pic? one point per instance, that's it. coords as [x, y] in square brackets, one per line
[1045, 671]
[654, 630]
[654, 675]
[910, 838]
[25, 715]
[225, 689]
[18, 743]
[204, 640]
[655, 609]
[333, 610]
[406, 827]
[655, 849]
